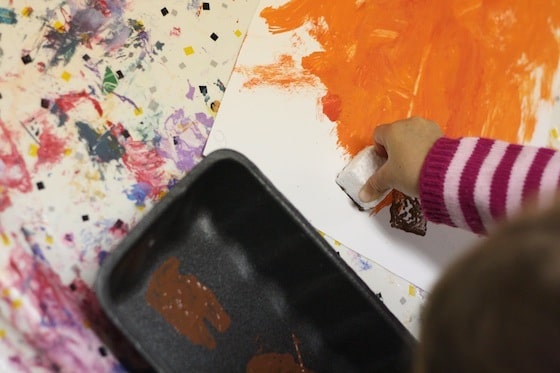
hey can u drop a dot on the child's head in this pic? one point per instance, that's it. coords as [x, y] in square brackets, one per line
[498, 308]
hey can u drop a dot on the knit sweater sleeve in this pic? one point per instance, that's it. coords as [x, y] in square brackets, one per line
[474, 182]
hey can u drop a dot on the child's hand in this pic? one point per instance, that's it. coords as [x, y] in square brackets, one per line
[405, 144]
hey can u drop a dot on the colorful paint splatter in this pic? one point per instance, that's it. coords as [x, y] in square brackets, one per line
[104, 105]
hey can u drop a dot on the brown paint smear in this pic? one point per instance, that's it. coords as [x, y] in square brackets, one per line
[186, 303]
[467, 64]
[277, 363]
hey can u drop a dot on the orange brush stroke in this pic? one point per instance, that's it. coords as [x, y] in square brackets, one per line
[386, 202]
[283, 73]
[467, 64]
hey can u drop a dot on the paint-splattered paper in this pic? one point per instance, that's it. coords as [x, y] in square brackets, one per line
[104, 105]
[314, 78]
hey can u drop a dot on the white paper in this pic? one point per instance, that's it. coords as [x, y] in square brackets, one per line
[289, 139]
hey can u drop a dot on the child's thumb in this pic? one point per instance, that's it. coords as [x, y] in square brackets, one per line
[376, 185]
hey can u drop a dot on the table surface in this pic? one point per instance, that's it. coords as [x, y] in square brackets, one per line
[103, 108]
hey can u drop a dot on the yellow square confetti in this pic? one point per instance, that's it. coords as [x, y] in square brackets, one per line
[337, 243]
[5, 239]
[67, 151]
[49, 239]
[59, 26]
[66, 76]
[554, 133]
[188, 50]
[6, 292]
[2, 333]
[26, 12]
[17, 304]
[238, 33]
[93, 175]
[138, 111]
[411, 290]
[33, 149]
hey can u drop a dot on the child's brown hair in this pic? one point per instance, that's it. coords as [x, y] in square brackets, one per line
[498, 308]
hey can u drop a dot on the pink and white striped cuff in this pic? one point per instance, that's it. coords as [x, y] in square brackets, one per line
[473, 182]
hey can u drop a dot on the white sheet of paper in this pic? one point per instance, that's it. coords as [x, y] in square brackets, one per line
[287, 136]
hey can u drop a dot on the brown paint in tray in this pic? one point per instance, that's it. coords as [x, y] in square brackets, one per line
[186, 303]
[266, 268]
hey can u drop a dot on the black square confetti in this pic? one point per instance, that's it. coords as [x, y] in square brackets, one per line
[164, 11]
[214, 36]
[203, 90]
[102, 351]
[85, 57]
[175, 140]
[120, 75]
[40, 185]
[45, 103]
[126, 134]
[85, 217]
[26, 59]
[206, 6]
[72, 287]
[118, 224]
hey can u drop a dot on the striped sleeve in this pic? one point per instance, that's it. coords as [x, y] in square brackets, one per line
[474, 182]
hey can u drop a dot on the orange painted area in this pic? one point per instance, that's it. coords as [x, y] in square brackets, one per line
[332, 106]
[467, 64]
[283, 73]
[386, 202]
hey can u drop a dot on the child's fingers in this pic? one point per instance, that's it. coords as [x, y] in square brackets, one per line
[377, 184]
[380, 134]
[381, 151]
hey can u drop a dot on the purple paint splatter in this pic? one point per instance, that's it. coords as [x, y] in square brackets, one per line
[139, 192]
[191, 91]
[362, 263]
[102, 256]
[88, 26]
[185, 138]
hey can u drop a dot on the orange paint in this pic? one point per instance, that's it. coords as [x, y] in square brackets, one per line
[467, 64]
[332, 106]
[386, 202]
[283, 73]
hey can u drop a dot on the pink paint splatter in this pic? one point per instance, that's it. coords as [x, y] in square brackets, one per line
[146, 165]
[90, 306]
[101, 5]
[51, 148]
[70, 101]
[119, 229]
[49, 318]
[143, 161]
[13, 171]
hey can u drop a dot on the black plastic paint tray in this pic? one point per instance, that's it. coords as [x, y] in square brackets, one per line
[283, 286]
